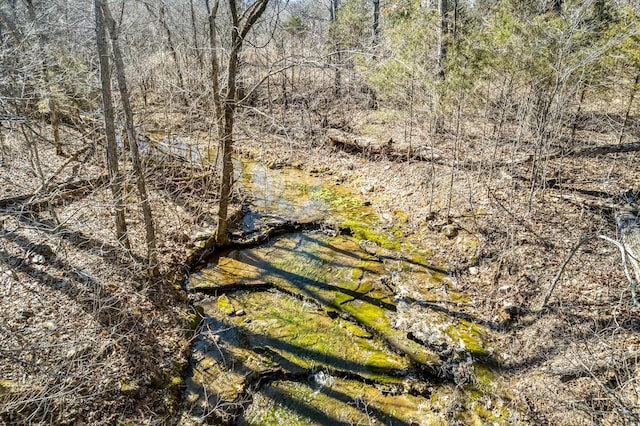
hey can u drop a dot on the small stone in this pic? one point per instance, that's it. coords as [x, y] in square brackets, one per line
[200, 236]
[129, 389]
[25, 315]
[247, 320]
[450, 231]
[49, 325]
[240, 313]
[504, 288]
[38, 259]
[473, 270]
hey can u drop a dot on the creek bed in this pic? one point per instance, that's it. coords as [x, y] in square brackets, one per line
[333, 326]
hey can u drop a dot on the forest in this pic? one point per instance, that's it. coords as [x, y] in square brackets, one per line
[287, 212]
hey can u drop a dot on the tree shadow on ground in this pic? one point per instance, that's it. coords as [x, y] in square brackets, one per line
[123, 328]
[230, 337]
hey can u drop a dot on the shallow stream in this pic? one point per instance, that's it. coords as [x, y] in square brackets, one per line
[345, 324]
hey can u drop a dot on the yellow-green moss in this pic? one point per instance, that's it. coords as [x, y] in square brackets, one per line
[225, 305]
[470, 335]
[362, 231]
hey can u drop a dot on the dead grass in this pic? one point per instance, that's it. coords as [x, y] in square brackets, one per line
[88, 337]
[91, 339]
[575, 363]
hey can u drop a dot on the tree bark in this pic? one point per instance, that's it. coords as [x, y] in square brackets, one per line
[443, 33]
[626, 115]
[335, 57]
[376, 22]
[215, 66]
[194, 29]
[133, 141]
[238, 35]
[112, 148]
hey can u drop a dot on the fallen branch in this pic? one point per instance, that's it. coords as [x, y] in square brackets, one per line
[193, 177]
[37, 200]
[624, 254]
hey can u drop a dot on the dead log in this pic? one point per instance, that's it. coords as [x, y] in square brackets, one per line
[352, 143]
[38, 200]
[368, 147]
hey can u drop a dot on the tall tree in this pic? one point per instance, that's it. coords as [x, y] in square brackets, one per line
[241, 24]
[443, 40]
[376, 22]
[215, 64]
[133, 139]
[112, 149]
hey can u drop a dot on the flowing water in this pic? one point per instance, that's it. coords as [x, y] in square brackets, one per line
[345, 324]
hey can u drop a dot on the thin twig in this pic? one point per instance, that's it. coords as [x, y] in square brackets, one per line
[623, 252]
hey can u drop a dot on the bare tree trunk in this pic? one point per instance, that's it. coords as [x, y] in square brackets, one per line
[53, 109]
[376, 22]
[215, 66]
[442, 58]
[110, 133]
[238, 34]
[335, 57]
[133, 142]
[172, 48]
[576, 117]
[626, 115]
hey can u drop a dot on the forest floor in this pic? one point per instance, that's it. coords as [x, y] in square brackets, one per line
[577, 360]
[89, 337]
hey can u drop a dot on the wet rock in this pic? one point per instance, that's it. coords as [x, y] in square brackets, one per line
[225, 306]
[326, 399]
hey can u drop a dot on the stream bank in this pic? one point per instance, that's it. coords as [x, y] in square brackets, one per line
[341, 323]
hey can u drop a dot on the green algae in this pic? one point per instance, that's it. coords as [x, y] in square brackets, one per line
[283, 334]
[326, 399]
[339, 296]
[224, 305]
[363, 231]
[469, 336]
[303, 335]
[322, 269]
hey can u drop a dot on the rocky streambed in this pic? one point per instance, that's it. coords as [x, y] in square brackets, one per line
[341, 321]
